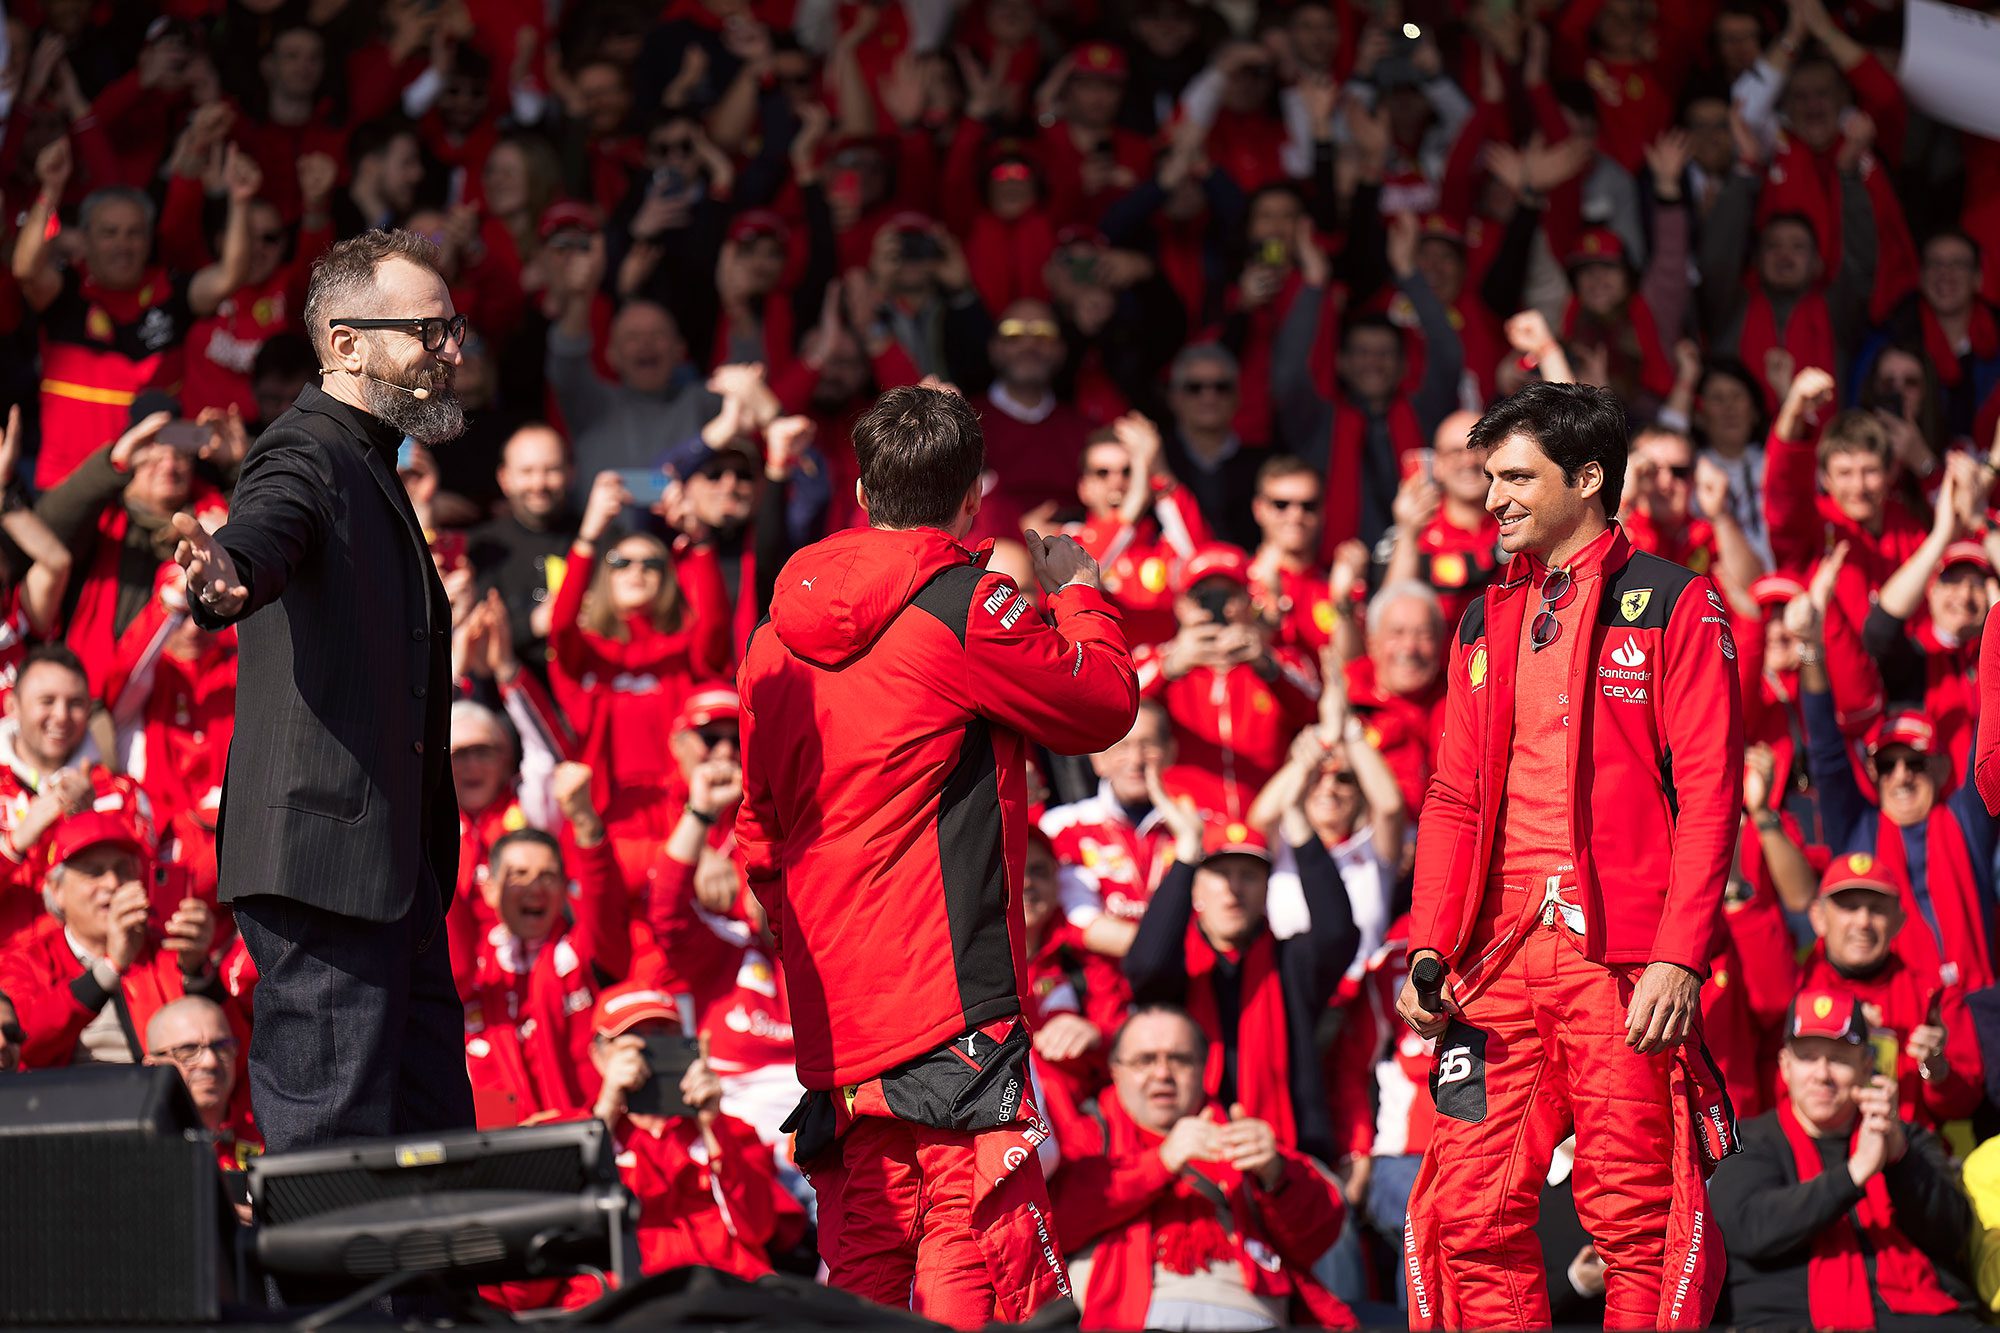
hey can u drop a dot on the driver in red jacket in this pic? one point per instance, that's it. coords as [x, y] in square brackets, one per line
[888, 706]
[1570, 870]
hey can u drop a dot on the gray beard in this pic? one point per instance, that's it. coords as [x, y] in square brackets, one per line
[428, 421]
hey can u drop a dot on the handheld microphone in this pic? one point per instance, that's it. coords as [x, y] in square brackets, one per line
[1428, 977]
[420, 393]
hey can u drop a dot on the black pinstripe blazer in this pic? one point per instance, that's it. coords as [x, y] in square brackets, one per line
[339, 787]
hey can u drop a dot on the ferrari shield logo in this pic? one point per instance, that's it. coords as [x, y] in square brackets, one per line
[1633, 604]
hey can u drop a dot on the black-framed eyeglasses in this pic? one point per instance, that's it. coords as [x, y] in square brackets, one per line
[1546, 629]
[652, 564]
[433, 330]
[1286, 506]
[188, 1052]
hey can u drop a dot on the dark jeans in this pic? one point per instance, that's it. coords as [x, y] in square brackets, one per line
[357, 1029]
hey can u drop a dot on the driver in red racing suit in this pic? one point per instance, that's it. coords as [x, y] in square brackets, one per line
[1570, 870]
[887, 707]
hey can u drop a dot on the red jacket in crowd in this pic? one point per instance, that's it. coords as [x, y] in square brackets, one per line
[1066, 978]
[1804, 526]
[42, 975]
[740, 1005]
[22, 868]
[889, 842]
[1897, 1001]
[1103, 852]
[545, 992]
[1231, 727]
[1116, 1197]
[1658, 793]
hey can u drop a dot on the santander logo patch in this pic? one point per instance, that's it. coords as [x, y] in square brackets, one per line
[1629, 654]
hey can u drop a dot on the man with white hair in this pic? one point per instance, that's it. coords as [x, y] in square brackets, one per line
[87, 981]
[1398, 688]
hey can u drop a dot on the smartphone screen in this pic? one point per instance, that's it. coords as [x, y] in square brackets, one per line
[190, 437]
[647, 484]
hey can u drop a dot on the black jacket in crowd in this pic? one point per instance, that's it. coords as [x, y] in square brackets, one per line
[1769, 1218]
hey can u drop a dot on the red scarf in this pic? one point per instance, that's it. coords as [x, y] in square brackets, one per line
[1984, 332]
[1006, 258]
[1179, 1231]
[1954, 901]
[1808, 335]
[1263, 1063]
[1837, 1293]
[1343, 467]
[1654, 372]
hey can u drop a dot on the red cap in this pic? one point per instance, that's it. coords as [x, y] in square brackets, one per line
[1081, 233]
[755, 222]
[1219, 561]
[1229, 837]
[622, 1008]
[1011, 169]
[1856, 870]
[1776, 590]
[1436, 226]
[93, 828]
[705, 706]
[1823, 1013]
[568, 215]
[1600, 245]
[911, 220]
[1099, 60]
[1905, 727]
[1965, 553]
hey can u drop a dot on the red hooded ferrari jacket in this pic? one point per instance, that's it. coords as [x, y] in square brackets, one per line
[1655, 764]
[888, 704]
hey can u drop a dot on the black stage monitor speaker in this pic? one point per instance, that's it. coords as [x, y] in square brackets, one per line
[111, 1209]
[468, 1206]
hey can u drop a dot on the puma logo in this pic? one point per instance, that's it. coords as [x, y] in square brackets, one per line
[807, 584]
[970, 1053]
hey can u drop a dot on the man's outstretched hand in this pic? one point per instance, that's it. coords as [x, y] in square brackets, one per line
[211, 574]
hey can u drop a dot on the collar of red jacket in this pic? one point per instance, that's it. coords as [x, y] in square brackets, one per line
[1609, 550]
[835, 597]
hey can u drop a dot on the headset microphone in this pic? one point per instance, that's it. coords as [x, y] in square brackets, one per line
[419, 393]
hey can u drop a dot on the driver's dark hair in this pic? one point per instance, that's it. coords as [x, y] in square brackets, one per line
[1139, 1011]
[920, 451]
[1573, 424]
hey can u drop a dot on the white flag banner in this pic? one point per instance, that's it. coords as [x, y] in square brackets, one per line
[1951, 65]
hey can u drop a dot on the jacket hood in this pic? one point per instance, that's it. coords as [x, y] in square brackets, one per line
[835, 597]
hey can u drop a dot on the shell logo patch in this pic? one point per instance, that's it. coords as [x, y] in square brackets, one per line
[1475, 667]
[1448, 570]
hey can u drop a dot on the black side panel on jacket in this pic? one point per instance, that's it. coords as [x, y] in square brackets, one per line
[1643, 594]
[948, 596]
[975, 880]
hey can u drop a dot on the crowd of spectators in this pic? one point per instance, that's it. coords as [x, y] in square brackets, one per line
[1228, 282]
